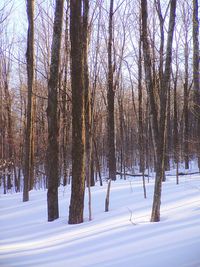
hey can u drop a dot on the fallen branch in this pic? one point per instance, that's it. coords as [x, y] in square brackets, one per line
[183, 173]
[133, 175]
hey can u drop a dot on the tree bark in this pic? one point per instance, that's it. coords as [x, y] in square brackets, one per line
[76, 207]
[88, 111]
[185, 105]
[111, 101]
[196, 72]
[9, 129]
[29, 118]
[176, 140]
[140, 102]
[52, 116]
[65, 119]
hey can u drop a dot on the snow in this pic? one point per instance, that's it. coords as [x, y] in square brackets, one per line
[121, 237]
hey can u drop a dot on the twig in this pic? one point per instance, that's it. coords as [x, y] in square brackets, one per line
[131, 215]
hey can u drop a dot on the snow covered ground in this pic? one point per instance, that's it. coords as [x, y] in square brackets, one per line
[122, 237]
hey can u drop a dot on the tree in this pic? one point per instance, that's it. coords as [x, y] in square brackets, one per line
[78, 113]
[88, 110]
[52, 115]
[140, 112]
[165, 84]
[65, 106]
[8, 107]
[111, 101]
[186, 28]
[110, 109]
[29, 118]
[6, 118]
[175, 136]
[196, 86]
[158, 123]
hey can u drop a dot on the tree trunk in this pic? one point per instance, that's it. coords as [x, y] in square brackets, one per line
[158, 128]
[66, 123]
[196, 72]
[140, 109]
[52, 115]
[185, 105]
[9, 131]
[97, 161]
[121, 130]
[76, 207]
[168, 135]
[87, 92]
[165, 83]
[176, 140]
[88, 111]
[29, 118]
[107, 201]
[148, 77]
[32, 145]
[111, 100]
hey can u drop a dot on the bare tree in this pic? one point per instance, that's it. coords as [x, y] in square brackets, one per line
[111, 100]
[29, 119]
[52, 115]
[196, 71]
[66, 105]
[158, 124]
[185, 30]
[78, 113]
[165, 83]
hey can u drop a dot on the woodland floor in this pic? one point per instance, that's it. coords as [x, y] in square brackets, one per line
[122, 237]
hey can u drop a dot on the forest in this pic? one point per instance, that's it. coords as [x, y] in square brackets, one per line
[98, 94]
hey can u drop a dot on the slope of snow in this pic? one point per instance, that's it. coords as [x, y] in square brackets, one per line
[122, 236]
